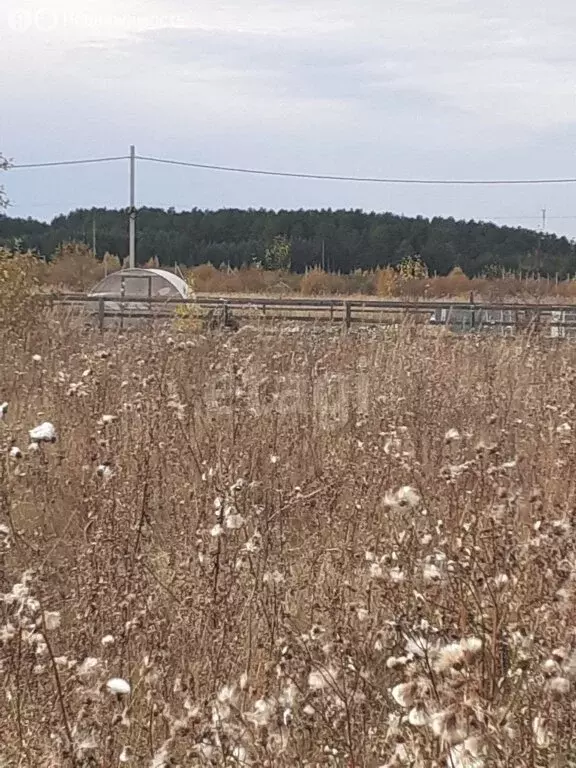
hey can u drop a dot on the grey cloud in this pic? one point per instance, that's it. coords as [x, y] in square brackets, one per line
[287, 66]
[420, 88]
[260, 56]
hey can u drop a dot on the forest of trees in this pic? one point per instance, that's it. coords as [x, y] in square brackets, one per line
[338, 240]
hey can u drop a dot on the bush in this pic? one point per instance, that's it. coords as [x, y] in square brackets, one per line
[317, 282]
[188, 318]
[19, 290]
[248, 280]
[386, 282]
[75, 268]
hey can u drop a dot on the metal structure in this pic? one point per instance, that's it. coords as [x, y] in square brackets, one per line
[132, 211]
[140, 283]
[563, 324]
[131, 293]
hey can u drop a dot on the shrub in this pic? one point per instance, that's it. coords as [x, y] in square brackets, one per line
[188, 317]
[246, 280]
[19, 291]
[75, 268]
[387, 281]
[110, 263]
[317, 282]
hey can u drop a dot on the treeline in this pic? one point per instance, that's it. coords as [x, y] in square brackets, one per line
[340, 241]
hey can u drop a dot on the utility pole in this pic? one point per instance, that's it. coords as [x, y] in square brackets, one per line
[539, 247]
[94, 236]
[132, 212]
[324, 254]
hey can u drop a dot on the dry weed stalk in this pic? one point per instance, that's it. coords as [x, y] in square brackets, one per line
[286, 549]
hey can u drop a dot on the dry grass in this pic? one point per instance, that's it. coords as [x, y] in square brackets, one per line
[384, 283]
[74, 269]
[293, 549]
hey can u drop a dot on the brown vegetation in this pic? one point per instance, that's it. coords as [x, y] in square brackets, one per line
[293, 548]
[74, 269]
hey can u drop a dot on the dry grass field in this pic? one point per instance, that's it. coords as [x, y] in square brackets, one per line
[305, 548]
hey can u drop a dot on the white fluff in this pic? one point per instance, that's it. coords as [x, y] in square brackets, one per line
[52, 620]
[403, 694]
[418, 717]
[104, 471]
[119, 686]
[43, 433]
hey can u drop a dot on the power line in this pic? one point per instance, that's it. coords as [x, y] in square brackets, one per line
[57, 163]
[295, 174]
[364, 179]
[532, 218]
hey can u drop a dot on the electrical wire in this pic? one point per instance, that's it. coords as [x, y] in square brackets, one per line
[363, 179]
[296, 174]
[58, 163]
[532, 218]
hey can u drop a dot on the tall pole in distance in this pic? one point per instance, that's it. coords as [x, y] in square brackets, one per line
[132, 250]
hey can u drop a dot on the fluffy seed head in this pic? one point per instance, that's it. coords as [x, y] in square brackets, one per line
[43, 433]
[449, 656]
[431, 573]
[118, 686]
[405, 497]
[52, 620]
[560, 686]
[418, 716]
[404, 694]
[452, 435]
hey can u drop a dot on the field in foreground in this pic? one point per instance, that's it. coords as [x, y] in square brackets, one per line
[304, 549]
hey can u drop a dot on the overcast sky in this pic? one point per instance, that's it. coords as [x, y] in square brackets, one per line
[411, 88]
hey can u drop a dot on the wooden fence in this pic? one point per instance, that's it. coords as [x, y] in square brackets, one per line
[556, 320]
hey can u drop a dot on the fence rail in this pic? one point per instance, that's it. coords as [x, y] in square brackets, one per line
[257, 301]
[559, 319]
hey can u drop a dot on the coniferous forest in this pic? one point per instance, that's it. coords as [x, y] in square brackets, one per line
[338, 240]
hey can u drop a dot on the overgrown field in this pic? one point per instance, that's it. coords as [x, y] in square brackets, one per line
[300, 548]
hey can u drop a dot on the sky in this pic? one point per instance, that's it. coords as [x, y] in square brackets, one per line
[449, 89]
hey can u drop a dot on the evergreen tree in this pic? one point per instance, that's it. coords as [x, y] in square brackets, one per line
[337, 240]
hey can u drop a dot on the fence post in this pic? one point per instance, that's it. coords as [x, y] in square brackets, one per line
[122, 294]
[101, 309]
[225, 315]
[347, 314]
[473, 313]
